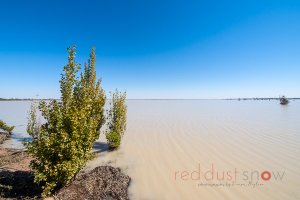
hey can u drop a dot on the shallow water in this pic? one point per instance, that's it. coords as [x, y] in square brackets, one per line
[15, 113]
[167, 140]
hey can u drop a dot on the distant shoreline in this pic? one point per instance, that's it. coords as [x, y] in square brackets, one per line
[16, 99]
[237, 99]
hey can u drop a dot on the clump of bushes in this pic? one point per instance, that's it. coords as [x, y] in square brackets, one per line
[5, 131]
[116, 119]
[6, 127]
[61, 146]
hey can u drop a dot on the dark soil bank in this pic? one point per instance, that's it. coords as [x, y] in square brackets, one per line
[16, 181]
[18, 185]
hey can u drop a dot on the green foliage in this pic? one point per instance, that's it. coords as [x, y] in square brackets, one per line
[61, 146]
[5, 127]
[116, 119]
[33, 126]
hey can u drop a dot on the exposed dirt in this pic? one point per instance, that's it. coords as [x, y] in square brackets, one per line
[14, 159]
[104, 182]
[17, 181]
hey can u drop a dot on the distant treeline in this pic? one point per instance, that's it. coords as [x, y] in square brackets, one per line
[239, 99]
[26, 99]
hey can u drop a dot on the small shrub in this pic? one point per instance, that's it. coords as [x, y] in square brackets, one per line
[5, 127]
[33, 126]
[61, 146]
[114, 139]
[116, 119]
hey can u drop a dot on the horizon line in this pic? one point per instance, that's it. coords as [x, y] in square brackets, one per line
[239, 98]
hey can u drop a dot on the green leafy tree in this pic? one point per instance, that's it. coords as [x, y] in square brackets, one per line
[6, 127]
[116, 119]
[61, 146]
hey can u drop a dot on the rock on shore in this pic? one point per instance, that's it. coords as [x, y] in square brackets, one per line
[104, 182]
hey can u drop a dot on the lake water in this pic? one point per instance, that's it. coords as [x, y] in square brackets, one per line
[199, 149]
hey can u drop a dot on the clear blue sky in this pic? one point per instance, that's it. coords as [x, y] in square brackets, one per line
[155, 48]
